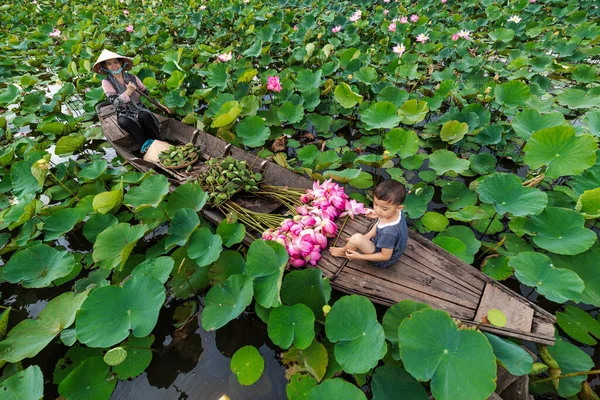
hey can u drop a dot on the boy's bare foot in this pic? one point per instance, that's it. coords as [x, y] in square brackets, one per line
[337, 251]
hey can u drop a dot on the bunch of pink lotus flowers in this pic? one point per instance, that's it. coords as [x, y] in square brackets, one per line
[305, 235]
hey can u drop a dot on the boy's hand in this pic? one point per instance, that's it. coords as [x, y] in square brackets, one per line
[352, 255]
[370, 213]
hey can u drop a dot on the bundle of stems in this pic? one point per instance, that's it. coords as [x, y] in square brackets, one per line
[289, 197]
[259, 222]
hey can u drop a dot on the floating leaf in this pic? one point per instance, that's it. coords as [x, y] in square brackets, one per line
[97, 224]
[188, 195]
[434, 348]
[530, 121]
[229, 263]
[158, 268]
[68, 144]
[106, 201]
[253, 131]
[248, 365]
[110, 312]
[588, 204]
[344, 95]
[30, 336]
[231, 234]
[336, 389]
[413, 112]
[401, 142]
[115, 356]
[93, 170]
[306, 287]
[89, 380]
[204, 247]
[516, 360]
[512, 94]
[561, 150]
[391, 382]
[139, 356]
[579, 324]
[586, 266]
[61, 222]
[150, 193]
[289, 324]
[187, 277]
[292, 113]
[313, 359]
[561, 231]
[453, 131]
[507, 194]
[224, 303]
[456, 195]
[381, 115]
[299, 386]
[115, 243]
[265, 262]
[536, 270]
[360, 339]
[183, 224]
[442, 161]
[37, 266]
[570, 359]
[496, 267]
[466, 236]
[26, 384]
[434, 221]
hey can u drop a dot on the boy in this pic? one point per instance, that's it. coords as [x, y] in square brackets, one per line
[384, 244]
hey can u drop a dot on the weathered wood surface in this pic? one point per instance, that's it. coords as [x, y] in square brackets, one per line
[425, 273]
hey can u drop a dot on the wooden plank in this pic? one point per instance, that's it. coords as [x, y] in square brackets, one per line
[519, 316]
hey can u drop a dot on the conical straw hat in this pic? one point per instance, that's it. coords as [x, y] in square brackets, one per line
[108, 55]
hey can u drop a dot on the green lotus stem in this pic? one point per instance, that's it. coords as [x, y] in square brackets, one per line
[61, 184]
[594, 371]
[164, 212]
[340, 232]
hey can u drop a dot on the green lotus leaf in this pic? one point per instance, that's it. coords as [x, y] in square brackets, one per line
[393, 95]
[150, 193]
[187, 277]
[508, 195]
[292, 324]
[97, 224]
[183, 224]
[577, 98]
[344, 176]
[159, 268]
[512, 94]
[381, 115]
[26, 384]
[442, 161]
[496, 267]
[415, 203]
[465, 235]
[227, 114]
[72, 359]
[502, 34]
[115, 243]
[561, 231]
[434, 348]
[299, 386]
[93, 170]
[115, 356]
[401, 142]
[579, 324]
[586, 266]
[89, 380]
[30, 336]
[359, 338]
[248, 365]
[265, 262]
[231, 233]
[290, 113]
[229, 263]
[313, 359]
[456, 195]
[307, 287]
[453, 131]
[366, 75]
[174, 99]
[322, 123]
[139, 356]
[224, 303]
[483, 163]
[556, 284]
[516, 360]
[570, 359]
[188, 195]
[391, 382]
[204, 247]
[336, 389]
[592, 119]
[37, 266]
[588, 204]
[394, 316]
[110, 312]
[24, 184]
[9, 95]
[584, 73]
[530, 121]
[452, 245]
[434, 221]
[252, 131]
[561, 150]
[61, 222]
[307, 79]
[175, 80]
[68, 144]
[106, 201]
[413, 112]
[344, 95]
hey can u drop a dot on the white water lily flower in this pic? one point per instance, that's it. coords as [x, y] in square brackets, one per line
[515, 18]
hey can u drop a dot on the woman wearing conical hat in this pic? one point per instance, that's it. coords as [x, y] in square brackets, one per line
[120, 88]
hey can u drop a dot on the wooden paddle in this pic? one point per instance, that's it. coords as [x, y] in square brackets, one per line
[156, 103]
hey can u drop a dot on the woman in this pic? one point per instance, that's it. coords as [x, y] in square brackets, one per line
[120, 88]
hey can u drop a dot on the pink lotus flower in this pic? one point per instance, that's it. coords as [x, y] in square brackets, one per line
[273, 84]
[454, 37]
[126, 12]
[422, 38]
[203, 7]
[399, 50]
[403, 20]
[464, 34]
[55, 33]
[444, 1]
[295, 27]
[414, 18]
[386, 12]
[386, 1]
[336, 29]
[356, 16]
[129, 28]
[392, 27]
[352, 208]
[224, 57]
[328, 228]
[297, 262]
[532, 1]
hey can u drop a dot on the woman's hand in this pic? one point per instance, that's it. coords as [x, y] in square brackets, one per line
[130, 88]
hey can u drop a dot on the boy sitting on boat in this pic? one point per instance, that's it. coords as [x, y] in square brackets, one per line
[384, 244]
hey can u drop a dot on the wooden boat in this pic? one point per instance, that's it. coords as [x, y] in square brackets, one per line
[426, 273]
